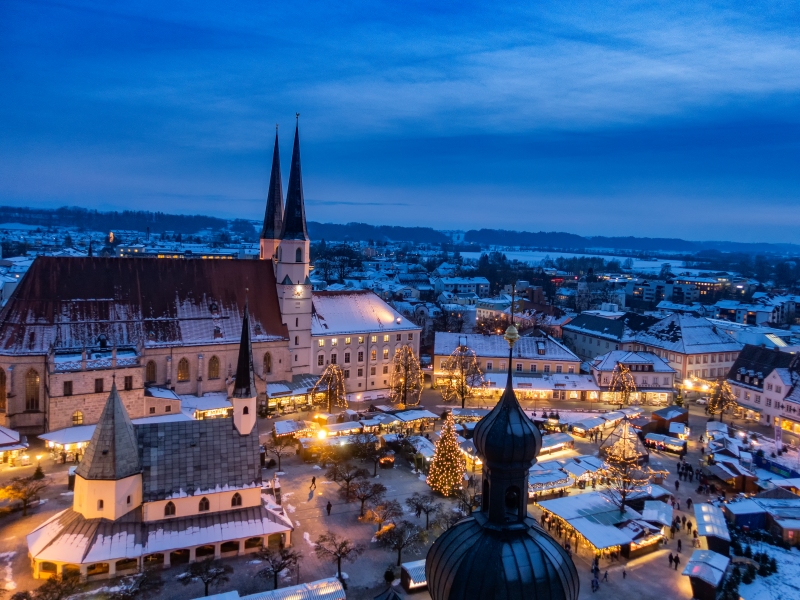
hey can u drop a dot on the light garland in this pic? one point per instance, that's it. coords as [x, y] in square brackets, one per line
[622, 383]
[446, 473]
[624, 454]
[721, 399]
[462, 375]
[407, 382]
[331, 387]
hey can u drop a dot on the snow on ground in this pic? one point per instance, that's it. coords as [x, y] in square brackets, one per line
[297, 523]
[290, 508]
[783, 584]
[7, 573]
[307, 538]
[317, 468]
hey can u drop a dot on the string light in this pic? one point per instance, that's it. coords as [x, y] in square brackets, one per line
[448, 466]
[407, 382]
[622, 383]
[721, 399]
[626, 469]
[461, 375]
[330, 388]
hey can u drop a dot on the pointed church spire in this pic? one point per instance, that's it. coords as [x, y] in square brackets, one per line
[273, 217]
[245, 386]
[294, 218]
[113, 452]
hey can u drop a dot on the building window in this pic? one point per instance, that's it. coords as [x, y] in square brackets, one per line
[547, 368]
[98, 385]
[99, 505]
[768, 403]
[410, 336]
[168, 408]
[334, 341]
[386, 337]
[386, 369]
[213, 368]
[347, 373]
[347, 358]
[298, 255]
[519, 367]
[333, 358]
[502, 366]
[385, 354]
[361, 372]
[360, 356]
[778, 389]
[347, 341]
[489, 365]
[374, 338]
[129, 500]
[296, 341]
[32, 390]
[320, 360]
[571, 369]
[559, 368]
[398, 337]
[321, 343]
[374, 354]
[372, 370]
[152, 410]
[183, 370]
[769, 387]
[169, 509]
[534, 368]
[361, 339]
[128, 383]
[150, 372]
[68, 388]
[77, 418]
[204, 505]
[236, 500]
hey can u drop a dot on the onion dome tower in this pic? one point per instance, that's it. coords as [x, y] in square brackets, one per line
[500, 552]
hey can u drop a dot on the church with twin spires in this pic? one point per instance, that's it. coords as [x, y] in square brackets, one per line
[168, 329]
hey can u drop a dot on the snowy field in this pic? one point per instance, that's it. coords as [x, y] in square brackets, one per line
[783, 585]
[639, 265]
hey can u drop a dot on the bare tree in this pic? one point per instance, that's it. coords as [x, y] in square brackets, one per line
[385, 511]
[721, 400]
[146, 584]
[279, 446]
[209, 572]
[345, 475]
[334, 548]
[24, 490]
[367, 447]
[407, 380]
[278, 561]
[424, 503]
[400, 536]
[461, 374]
[59, 587]
[366, 491]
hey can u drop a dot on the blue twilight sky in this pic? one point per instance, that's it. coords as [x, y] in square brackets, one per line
[618, 118]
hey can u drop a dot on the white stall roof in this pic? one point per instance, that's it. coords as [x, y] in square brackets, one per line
[707, 565]
[656, 511]
[69, 435]
[710, 521]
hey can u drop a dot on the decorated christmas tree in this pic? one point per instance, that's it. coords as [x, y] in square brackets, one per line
[330, 389]
[448, 466]
[623, 386]
[406, 384]
[461, 374]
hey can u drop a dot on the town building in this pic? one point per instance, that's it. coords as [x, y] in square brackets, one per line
[462, 285]
[161, 494]
[591, 335]
[652, 376]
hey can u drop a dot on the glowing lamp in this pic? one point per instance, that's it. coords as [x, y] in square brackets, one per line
[321, 434]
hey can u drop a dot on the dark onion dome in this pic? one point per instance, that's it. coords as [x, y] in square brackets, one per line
[474, 559]
[500, 552]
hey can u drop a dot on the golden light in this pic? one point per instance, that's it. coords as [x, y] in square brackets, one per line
[39, 457]
[322, 434]
[687, 383]
[705, 388]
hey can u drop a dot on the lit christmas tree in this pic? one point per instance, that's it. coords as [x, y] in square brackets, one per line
[406, 384]
[626, 460]
[330, 388]
[460, 374]
[448, 466]
[721, 399]
[622, 385]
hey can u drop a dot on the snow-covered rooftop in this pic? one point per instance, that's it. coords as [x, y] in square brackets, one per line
[339, 313]
[495, 346]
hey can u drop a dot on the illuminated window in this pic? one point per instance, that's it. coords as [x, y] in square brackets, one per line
[410, 336]
[385, 354]
[77, 418]
[183, 370]
[361, 339]
[213, 368]
[374, 354]
[334, 341]
[374, 338]
[347, 340]
[386, 337]
[322, 343]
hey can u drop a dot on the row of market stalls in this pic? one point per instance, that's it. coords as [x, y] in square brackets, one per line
[556, 477]
[594, 522]
[603, 421]
[13, 448]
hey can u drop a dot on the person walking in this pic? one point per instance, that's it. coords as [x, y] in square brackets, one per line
[677, 485]
[683, 520]
[624, 573]
[689, 526]
[605, 576]
[313, 485]
[677, 561]
[688, 504]
[672, 532]
[671, 559]
[680, 547]
[329, 507]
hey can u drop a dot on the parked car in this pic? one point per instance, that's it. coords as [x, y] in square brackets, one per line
[703, 400]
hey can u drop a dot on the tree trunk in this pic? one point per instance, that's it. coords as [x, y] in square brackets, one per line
[362, 508]
[206, 584]
[279, 463]
[339, 566]
[399, 556]
[276, 580]
[427, 518]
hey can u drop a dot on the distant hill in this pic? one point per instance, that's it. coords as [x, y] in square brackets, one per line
[382, 233]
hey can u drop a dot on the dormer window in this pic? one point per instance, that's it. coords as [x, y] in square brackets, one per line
[204, 505]
[102, 341]
[213, 308]
[236, 500]
[169, 509]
